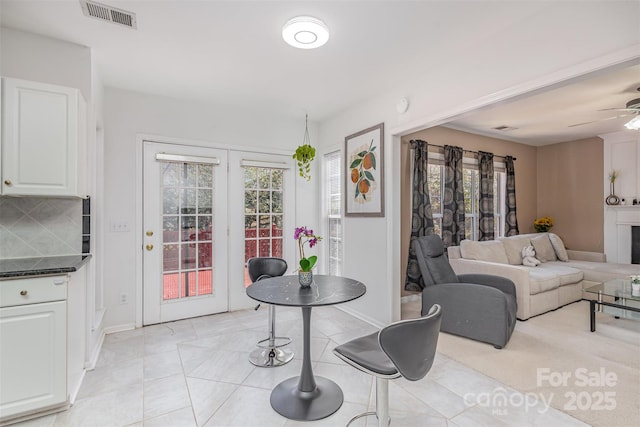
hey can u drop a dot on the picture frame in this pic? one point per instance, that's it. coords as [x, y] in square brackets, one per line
[364, 172]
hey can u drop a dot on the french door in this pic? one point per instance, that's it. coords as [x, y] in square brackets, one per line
[185, 246]
[263, 186]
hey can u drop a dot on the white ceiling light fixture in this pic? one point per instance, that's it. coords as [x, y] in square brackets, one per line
[305, 32]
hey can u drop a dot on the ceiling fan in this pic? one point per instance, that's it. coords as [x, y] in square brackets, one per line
[632, 108]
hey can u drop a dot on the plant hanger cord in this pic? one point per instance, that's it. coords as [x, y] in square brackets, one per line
[306, 140]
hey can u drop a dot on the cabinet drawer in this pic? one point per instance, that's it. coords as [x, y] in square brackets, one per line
[33, 290]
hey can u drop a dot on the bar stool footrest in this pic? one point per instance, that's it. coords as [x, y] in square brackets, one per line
[277, 342]
[364, 414]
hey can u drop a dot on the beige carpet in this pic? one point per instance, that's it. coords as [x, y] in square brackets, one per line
[601, 369]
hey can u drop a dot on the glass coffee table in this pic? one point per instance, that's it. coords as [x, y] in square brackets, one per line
[613, 293]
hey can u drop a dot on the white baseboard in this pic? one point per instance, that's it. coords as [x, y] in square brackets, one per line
[90, 364]
[120, 328]
[74, 393]
[361, 316]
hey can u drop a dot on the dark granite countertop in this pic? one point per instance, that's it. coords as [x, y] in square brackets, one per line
[42, 266]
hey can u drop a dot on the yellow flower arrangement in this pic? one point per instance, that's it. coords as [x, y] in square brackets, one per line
[543, 224]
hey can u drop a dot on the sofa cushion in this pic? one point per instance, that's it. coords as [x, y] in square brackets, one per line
[567, 275]
[544, 250]
[513, 247]
[558, 247]
[491, 250]
[604, 271]
[542, 280]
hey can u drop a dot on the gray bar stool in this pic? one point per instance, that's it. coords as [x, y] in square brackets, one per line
[405, 348]
[269, 352]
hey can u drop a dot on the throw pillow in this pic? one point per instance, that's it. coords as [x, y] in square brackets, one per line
[491, 251]
[513, 247]
[558, 247]
[544, 250]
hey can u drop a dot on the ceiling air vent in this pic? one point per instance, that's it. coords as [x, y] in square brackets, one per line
[504, 128]
[107, 13]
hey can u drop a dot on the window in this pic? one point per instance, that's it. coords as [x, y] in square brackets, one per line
[333, 185]
[471, 180]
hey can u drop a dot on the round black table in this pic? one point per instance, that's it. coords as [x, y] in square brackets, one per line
[306, 398]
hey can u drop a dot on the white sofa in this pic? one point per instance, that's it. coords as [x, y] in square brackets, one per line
[557, 281]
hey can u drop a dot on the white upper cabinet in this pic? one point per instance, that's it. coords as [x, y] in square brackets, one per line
[43, 139]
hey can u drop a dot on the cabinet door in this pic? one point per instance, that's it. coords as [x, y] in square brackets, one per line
[40, 139]
[33, 373]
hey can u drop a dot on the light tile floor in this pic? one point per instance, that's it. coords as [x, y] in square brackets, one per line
[195, 372]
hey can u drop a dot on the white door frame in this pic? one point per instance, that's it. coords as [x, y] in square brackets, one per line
[138, 228]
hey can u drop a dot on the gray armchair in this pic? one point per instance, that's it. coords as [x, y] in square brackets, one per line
[477, 306]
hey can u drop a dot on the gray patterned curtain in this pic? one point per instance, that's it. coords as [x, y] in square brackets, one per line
[453, 197]
[422, 216]
[485, 206]
[511, 219]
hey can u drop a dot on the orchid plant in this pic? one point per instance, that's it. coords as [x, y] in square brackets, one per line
[305, 235]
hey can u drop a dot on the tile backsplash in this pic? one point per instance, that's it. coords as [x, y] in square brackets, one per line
[40, 226]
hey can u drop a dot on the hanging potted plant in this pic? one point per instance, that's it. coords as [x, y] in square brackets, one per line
[305, 154]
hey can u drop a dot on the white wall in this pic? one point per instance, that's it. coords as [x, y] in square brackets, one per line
[622, 154]
[540, 51]
[128, 114]
[32, 57]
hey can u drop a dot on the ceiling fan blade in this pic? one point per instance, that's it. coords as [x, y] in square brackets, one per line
[621, 109]
[601, 120]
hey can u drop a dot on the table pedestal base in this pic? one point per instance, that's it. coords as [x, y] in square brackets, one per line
[290, 402]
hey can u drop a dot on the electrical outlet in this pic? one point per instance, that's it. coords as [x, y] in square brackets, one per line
[119, 226]
[124, 298]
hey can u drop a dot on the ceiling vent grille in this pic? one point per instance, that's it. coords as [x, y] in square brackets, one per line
[505, 128]
[107, 13]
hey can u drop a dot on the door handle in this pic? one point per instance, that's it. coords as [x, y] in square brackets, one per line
[149, 247]
[149, 233]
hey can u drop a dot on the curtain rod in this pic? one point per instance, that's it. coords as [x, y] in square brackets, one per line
[466, 151]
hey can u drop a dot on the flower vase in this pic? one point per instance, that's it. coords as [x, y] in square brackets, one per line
[305, 278]
[612, 199]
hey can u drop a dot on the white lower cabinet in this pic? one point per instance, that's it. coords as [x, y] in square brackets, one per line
[33, 345]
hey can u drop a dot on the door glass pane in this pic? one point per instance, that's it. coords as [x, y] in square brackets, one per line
[264, 178]
[205, 201]
[188, 228]
[170, 228]
[276, 202]
[205, 176]
[170, 175]
[264, 201]
[263, 207]
[250, 202]
[187, 217]
[170, 203]
[276, 179]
